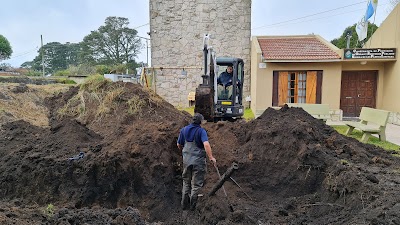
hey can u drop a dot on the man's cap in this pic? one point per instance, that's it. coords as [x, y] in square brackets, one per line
[197, 118]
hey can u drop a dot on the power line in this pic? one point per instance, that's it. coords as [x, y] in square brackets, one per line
[279, 25]
[79, 41]
[24, 53]
[342, 7]
[141, 26]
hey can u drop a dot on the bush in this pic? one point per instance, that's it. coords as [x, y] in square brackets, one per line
[103, 69]
[66, 81]
[114, 69]
[33, 73]
[94, 82]
[120, 69]
[77, 70]
[62, 73]
[82, 70]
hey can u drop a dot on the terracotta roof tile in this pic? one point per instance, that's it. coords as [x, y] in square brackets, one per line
[295, 48]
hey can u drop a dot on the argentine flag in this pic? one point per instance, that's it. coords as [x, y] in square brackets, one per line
[371, 8]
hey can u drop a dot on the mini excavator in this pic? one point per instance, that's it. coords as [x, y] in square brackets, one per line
[219, 101]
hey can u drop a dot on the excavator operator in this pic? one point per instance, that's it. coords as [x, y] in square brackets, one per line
[225, 79]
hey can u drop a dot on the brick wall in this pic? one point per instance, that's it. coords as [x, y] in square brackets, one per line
[177, 28]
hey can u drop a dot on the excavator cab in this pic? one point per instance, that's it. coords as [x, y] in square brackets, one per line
[220, 98]
[229, 91]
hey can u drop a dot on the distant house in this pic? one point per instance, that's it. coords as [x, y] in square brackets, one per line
[79, 79]
[121, 77]
[309, 69]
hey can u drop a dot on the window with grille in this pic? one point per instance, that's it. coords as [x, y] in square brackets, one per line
[301, 87]
[297, 87]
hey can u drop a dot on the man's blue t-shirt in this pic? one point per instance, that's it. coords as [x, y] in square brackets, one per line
[225, 78]
[193, 132]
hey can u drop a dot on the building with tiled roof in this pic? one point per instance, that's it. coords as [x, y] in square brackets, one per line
[297, 48]
[309, 69]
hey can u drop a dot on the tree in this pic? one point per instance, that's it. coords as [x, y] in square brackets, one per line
[72, 51]
[5, 48]
[5, 66]
[354, 43]
[113, 43]
[57, 56]
[27, 65]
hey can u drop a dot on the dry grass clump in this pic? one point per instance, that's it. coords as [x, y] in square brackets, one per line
[135, 105]
[28, 105]
[154, 99]
[109, 102]
[95, 83]
[74, 107]
[106, 97]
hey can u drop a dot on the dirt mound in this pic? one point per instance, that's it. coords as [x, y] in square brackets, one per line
[27, 80]
[111, 149]
[129, 146]
[299, 170]
[17, 213]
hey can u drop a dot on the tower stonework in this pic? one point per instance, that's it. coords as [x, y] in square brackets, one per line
[177, 28]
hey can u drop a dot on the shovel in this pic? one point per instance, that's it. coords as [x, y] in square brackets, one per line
[223, 188]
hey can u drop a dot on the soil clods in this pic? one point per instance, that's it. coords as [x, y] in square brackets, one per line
[109, 156]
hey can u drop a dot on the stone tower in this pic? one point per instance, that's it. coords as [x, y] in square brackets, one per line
[177, 28]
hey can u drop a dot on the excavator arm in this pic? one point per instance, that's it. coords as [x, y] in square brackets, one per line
[205, 94]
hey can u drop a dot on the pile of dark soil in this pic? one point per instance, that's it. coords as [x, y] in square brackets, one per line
[129, 159]
[15, 213]
[294, 168]
[298, 170]
[27, 80]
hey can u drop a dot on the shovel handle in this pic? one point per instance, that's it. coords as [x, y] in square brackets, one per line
[219, 175]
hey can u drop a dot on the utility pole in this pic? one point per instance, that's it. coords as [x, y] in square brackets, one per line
[41, 40]
[349, 33]
[147, 53]
[147, 49]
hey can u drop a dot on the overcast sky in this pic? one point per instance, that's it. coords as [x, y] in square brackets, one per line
[23, 21]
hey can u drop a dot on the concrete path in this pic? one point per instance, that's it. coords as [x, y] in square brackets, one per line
[392, 131]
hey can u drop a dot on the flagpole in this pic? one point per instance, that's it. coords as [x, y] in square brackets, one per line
[372, 32]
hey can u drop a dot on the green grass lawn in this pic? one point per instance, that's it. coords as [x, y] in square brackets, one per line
[372, 140]
[248, 113]
[190, 110]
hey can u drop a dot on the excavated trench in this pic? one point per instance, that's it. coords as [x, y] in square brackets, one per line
[294, 168]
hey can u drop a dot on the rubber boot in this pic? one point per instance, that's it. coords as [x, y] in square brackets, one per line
[193, 202]
[185, 202]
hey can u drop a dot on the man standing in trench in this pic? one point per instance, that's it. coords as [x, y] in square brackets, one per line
[193, 142]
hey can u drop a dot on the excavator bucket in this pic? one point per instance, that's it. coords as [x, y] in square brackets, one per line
[204, 102]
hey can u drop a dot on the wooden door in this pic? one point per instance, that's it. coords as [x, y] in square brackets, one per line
[367, 90]
[358, 89]
[311, 96]
[283, 88]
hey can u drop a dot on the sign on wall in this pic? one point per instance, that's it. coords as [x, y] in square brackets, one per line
[370, 53]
